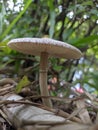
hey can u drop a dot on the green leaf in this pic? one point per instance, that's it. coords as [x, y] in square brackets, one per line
[52, 17]
[2, 14]
[87, 3]
[94, 11]
[16, 19]
[50, 4]
[85, 41]
[52, 23]
[23, 82]
[67, 33]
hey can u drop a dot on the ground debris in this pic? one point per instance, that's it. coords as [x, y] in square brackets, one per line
[21, 113]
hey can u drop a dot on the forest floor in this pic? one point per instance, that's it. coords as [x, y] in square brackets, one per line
[82, 108]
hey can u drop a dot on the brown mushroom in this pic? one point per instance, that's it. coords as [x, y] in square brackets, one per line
[45, 47]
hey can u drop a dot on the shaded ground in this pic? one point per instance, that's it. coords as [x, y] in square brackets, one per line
[80, 109]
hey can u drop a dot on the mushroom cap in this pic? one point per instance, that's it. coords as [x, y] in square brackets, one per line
[35, 46]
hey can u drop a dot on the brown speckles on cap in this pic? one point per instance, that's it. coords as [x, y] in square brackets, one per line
[35, 46]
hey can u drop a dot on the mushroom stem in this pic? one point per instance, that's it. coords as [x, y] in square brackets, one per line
[43, 79]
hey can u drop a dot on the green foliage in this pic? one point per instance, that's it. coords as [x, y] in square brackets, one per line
[75, 22]
[2, 14]
[16, 19]
[82, 42]
[22, 83]
[52, 18]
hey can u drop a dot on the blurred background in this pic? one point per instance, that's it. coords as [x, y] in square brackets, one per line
[71, 21]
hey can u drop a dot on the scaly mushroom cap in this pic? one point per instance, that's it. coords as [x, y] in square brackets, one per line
[35, 46]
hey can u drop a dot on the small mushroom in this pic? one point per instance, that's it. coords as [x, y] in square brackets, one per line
[45, 47]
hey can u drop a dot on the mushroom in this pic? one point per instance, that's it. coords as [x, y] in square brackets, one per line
[44, 47]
